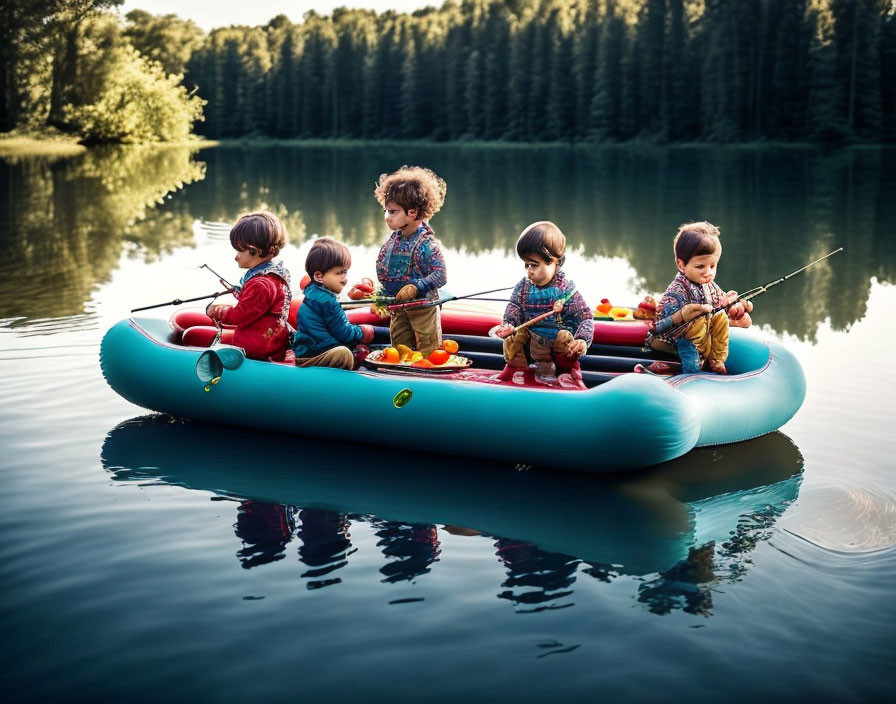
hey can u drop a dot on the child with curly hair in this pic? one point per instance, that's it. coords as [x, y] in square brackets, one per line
[410, 264]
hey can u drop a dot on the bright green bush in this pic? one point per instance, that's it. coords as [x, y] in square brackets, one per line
[137, 103]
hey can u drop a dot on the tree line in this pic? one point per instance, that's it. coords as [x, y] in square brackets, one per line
[524, 70]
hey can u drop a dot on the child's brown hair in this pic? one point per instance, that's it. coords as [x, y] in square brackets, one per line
[695, 239]
[325, 254]
[412, 187]
[260, 232]
[544, 240]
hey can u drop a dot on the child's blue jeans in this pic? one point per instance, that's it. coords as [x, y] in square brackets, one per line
[690, 358]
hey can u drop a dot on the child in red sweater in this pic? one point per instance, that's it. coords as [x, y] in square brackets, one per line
[257, 323]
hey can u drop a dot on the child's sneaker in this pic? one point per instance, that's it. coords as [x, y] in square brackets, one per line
[572, 379]
[507, 373]
[655, 368]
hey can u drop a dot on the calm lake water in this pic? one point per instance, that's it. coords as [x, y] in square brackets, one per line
[148, 558]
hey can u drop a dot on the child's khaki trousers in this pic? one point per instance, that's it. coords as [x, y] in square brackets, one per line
[418, 328]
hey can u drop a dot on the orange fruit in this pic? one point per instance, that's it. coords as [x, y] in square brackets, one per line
[439, 357]
[390, 354]
[422, 363]
[450, 346]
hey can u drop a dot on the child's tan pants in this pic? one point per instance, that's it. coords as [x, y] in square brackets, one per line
[711, 340]
[338, 357]
[418, 328]
[539, 347]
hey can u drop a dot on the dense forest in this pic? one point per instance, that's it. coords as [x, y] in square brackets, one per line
[521, 70]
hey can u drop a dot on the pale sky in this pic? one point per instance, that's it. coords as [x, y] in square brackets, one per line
[221, 13]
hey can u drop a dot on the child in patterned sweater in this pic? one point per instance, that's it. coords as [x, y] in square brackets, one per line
[558, 340]
[681, 319]
[410, 264]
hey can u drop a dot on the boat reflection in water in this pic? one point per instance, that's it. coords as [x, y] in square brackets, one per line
[680, 527]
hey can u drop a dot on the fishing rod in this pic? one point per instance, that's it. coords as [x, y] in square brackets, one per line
[178, 301]
[752, 293]
[425, 302]
[224, 281]
[375, 301]
[556, 309]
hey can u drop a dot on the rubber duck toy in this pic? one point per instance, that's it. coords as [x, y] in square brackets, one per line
[646, 309]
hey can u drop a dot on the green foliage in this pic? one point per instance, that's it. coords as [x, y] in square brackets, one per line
[528, 70]
[136, 102]
[165, 39]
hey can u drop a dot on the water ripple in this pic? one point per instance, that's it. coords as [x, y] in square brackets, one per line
[845, 519]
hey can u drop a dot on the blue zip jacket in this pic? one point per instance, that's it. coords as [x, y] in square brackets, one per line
[322, 324]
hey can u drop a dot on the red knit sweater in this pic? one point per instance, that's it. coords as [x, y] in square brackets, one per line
[256, 317]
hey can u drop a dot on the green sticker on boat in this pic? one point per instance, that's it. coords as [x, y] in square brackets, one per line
[402, 397]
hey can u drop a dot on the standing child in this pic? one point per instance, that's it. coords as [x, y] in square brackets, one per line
[558, 340]
[692, 294]
[257, 323]
[324, 336]
[410, 264]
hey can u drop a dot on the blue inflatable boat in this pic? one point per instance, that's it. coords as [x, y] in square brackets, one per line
[625, 422]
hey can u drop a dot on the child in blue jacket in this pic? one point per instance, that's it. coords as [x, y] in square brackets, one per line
[325, 337]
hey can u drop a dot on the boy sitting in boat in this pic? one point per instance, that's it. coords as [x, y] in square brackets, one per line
[682, 323]
[257, 322]
[325, 337]
[552, 341]
[410, 264]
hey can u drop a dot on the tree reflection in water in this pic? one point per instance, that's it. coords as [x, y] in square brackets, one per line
[69, 220]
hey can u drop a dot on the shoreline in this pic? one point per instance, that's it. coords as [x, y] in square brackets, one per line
[14, 144]
[23, 144]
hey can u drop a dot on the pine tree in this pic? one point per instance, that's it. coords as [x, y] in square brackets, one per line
[679, 92]
[718, 74]
[539, 51]
[825, 120]
[584, 58]
[456, 44]
[888, 77]
[788, 91]
[496, 50]
[604, 108]
[560, 88]
[630, 70]
[649, 42]
[857, 36]
[519, 90]
[410, 102]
